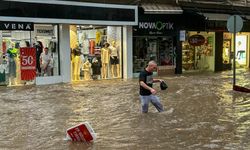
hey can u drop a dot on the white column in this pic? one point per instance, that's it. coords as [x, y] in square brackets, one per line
[127, 52]
[65, 52]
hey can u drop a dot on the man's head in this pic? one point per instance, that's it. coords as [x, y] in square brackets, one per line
[46, 50]
[151, 66]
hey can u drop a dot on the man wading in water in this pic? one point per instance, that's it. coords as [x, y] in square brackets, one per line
[147, 93]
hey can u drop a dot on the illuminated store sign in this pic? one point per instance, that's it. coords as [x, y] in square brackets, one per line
[156, 25]
[196, 40]
[16, 26]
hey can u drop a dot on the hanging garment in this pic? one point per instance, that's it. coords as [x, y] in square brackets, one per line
[52, 46]
[98, 38]
[91, 47]
[2, 73]
[85, 47]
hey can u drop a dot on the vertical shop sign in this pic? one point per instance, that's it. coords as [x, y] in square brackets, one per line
[28, 63]
[182, 35]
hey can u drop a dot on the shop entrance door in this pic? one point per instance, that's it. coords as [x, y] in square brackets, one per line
[241, 51]
[198, 52]
[159, 49]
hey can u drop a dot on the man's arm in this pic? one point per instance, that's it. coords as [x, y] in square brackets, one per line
[157, 80]
[145, 86]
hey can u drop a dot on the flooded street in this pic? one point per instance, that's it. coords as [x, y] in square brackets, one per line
[201, 112]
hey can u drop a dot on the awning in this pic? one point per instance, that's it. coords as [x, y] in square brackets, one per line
[214, 16]
[154, 8]
[222, 17]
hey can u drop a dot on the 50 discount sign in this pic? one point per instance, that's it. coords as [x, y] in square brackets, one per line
[28, 63]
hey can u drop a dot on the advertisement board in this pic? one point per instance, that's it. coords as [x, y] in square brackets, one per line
[28, 63]
[82, 132]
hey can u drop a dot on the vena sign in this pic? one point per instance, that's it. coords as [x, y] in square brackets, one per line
[26, 26]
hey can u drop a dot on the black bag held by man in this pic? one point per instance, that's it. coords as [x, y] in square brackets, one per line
[163, 85]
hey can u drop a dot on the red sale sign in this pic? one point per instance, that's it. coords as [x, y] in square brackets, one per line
[81, 132]
[28, 63]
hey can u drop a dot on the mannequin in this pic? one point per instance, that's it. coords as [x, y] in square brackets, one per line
[18, 65]
[12, 53]
[114, 60]
[86, 69]
[105, 54]
[76, 63]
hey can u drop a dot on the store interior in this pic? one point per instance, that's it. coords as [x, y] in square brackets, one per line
[44, 35]
[95, 52]
[198, 51]
[241, 49]
[159, 49]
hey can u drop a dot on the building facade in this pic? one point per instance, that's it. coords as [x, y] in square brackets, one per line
[75, 35]
[191, 41]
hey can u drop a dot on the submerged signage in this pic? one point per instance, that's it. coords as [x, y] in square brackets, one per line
[26, 26]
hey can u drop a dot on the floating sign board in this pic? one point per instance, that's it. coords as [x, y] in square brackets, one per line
[82, 132]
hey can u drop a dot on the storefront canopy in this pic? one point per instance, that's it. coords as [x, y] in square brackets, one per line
[41, 11]
[156, 8]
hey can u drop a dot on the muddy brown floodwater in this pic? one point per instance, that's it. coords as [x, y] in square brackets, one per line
[201, 112]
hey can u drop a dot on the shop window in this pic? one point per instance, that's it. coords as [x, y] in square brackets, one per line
[95, 52]
[227, 51]
[159, 49]
[241, 50]
[46, 44]
[198, 51]
[22, 52]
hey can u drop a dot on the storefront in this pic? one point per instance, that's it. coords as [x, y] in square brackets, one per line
[96, 52]
[155, 38]
[71, 37]
[198, 51]
[214, 21]
[164, 38]
[242, 42]
[22, 44]
[208, 46]
[224, 48]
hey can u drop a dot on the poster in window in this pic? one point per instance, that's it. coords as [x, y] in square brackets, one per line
[28, 63]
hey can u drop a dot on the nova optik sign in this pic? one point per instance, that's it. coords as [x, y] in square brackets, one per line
[156, 25]
[153, 28]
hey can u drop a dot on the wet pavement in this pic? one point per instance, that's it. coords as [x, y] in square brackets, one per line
[201, 112]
